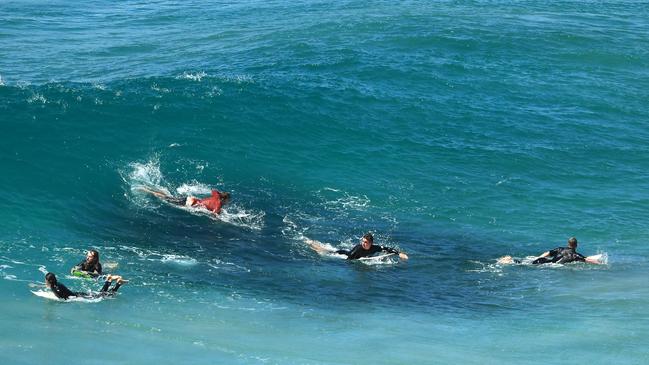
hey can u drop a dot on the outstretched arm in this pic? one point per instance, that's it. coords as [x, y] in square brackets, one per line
[544, 254]
[595, 259]
[402, 255]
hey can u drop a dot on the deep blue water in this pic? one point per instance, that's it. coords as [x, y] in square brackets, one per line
[457, 132]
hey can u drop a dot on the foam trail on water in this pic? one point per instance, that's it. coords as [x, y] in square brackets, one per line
[337, 200]
[179, 259]
[195, 188]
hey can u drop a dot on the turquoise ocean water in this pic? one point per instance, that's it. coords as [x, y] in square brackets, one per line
[457, 131]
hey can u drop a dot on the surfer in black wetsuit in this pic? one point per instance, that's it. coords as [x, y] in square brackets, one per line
[561, 255]
[364, 249]
[90, 265]
[62, 292]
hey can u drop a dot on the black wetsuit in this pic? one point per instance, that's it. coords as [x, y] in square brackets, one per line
[357, 252]
[93, 270]
[176, 200]
[62, 292]
[561, 255]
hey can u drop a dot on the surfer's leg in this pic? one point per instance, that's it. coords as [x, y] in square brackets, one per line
[541, 260]
[159, 194]
[505, 260]
[117, 285]
[119, 281]
[316, 245]
[104, 288]
[176, 200]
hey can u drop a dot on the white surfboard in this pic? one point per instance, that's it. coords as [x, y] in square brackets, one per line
[47, 294]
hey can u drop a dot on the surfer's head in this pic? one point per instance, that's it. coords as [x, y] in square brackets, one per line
[225, 196]
[92, 256]
[367, 240]
[50, 279]
[572, 242]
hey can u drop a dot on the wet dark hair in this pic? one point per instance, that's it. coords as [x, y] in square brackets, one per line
[572, 242]
[369, 237]
[50, 278]
[96, 255]
[224, 195]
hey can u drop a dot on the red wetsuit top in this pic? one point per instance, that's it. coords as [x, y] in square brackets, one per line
[212, 203]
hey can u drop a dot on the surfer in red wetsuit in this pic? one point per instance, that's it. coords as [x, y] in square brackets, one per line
[213, 203]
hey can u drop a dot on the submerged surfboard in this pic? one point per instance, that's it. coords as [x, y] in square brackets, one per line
[377, 257]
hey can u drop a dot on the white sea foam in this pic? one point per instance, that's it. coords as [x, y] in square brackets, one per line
[179, 259]
[232, 214]
[194, 188]
[155, 87]
[229, 266]
[292, 230]
[215, 91]
[338, 200]
[147, 174]
[604, 258]
[164, 257]
[239, 79]
[37, 98]
[381, 260]
[486, 267]
[196, 76]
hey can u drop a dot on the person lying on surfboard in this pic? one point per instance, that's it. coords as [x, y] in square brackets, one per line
[62, 292]
[364, 249]
[89, 267]
[213, 203]
[563, 255]
[559, 255]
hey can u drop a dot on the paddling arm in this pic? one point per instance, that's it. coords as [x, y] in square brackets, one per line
[593, 260]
